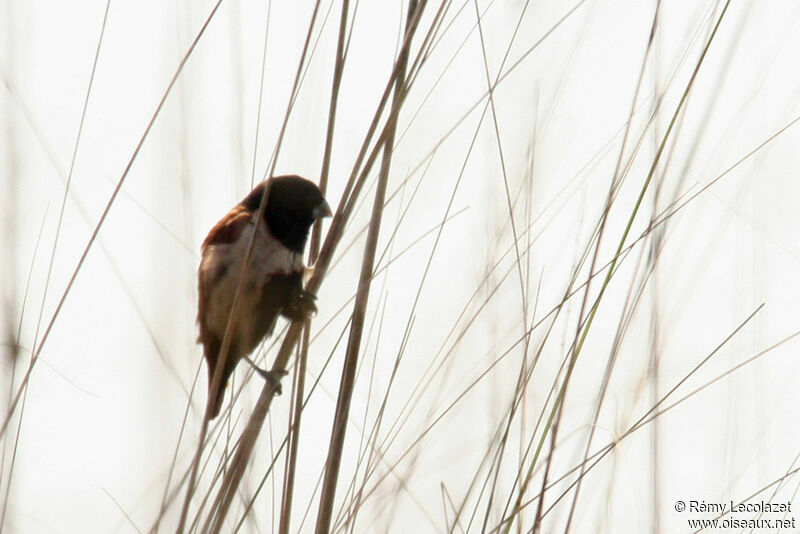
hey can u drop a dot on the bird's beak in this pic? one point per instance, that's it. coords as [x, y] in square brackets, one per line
[323, 210]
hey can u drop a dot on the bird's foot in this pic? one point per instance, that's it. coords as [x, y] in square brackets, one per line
[273, 377]
[301, 306]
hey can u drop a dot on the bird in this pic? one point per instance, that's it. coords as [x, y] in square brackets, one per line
[273, 283]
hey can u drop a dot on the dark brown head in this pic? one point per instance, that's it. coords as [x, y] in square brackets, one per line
[294, 204]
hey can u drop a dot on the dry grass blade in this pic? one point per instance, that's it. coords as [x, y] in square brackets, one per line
[106, 210]
[23, 385]
[268, 471]
[316, 234]
[620, 246]
[651, 414]
[362, 298]
[614, 182]
[14, 350]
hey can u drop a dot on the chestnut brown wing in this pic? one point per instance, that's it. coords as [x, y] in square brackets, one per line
[227, 230]
[230, 227]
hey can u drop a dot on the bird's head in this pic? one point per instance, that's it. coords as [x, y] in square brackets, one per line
[294, 204]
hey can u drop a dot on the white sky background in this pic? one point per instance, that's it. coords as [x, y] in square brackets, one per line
[105, 402]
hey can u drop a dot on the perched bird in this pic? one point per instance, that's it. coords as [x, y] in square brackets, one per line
[273, 282]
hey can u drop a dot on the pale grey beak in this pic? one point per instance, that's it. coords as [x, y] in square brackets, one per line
[323, 210]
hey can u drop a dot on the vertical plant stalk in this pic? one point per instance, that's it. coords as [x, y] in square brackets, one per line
[14, 350]
[316, 238]
[35, 357]
[338, 432]
[607, 280]
[616, 183]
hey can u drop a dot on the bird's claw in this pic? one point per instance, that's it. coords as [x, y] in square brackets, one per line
[302, 306]
[274, 378]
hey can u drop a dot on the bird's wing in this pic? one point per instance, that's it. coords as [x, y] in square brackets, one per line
[230, 227]
[227, 230]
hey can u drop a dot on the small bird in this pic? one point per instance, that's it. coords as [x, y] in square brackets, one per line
[273, 282]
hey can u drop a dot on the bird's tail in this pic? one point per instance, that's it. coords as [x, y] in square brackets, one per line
[215, 399]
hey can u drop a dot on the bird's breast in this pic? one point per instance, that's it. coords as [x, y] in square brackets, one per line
[223, 264]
